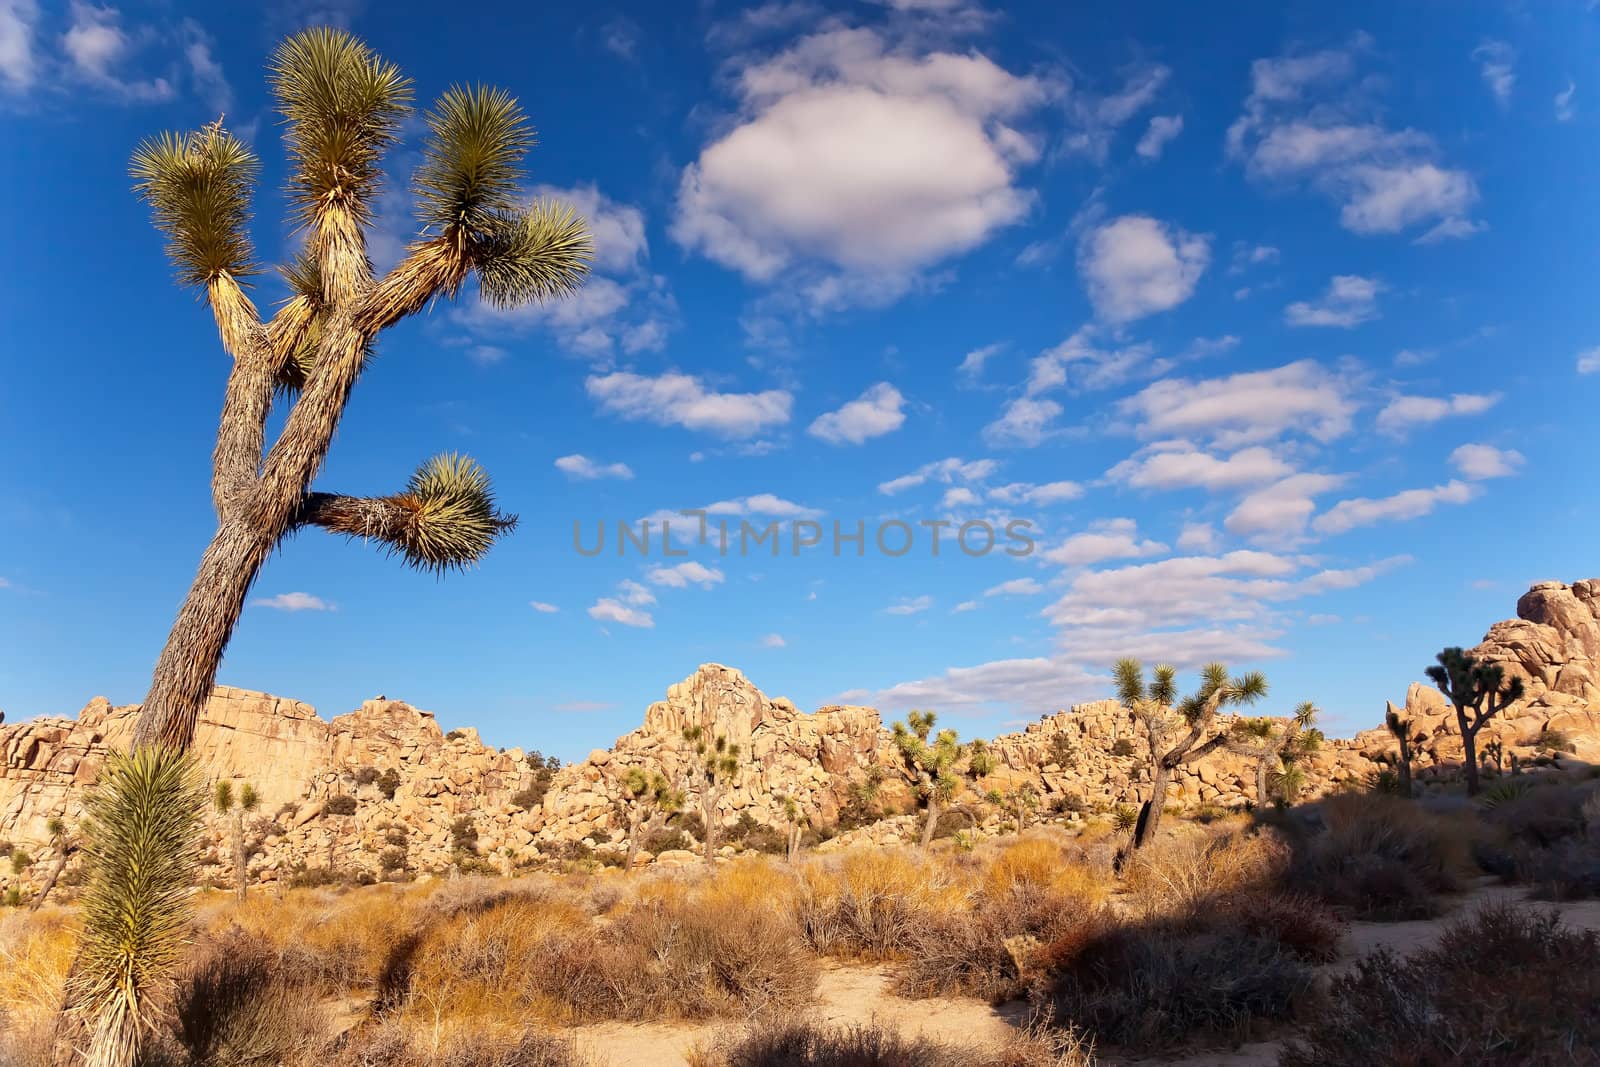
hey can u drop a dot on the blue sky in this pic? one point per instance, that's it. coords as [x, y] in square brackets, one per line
[1277, 327]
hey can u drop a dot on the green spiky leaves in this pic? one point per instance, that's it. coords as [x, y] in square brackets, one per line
[198, 186]
[343, 105]
[540, 254]
[142, 840]
[472, 162]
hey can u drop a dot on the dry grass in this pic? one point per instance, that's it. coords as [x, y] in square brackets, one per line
[796, 1043]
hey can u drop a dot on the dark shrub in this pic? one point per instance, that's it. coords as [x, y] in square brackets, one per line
[388, 782]
[237, 1006]
[342, 804]
[797, 1043]
[464, 835]
[366, 775]
[1123, 747]
[1508, 986]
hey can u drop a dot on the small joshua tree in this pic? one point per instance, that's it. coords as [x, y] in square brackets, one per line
[1018, 801]
[1494, 755]
[931, 765]
[1179, 732]
[1275, 745]
[1479, 688]
[798, 821]
[63, 844]
[1408, 739]
[714, 765]
[237, 807]
[651, 801]
[981, 759]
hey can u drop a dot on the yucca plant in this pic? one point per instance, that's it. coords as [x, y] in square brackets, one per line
[236, 807]
[929, 764]
[343, 108]
[1479, 688]
[141, 836]
[1182, 731]
[798, 821]
[63, 844]
[713, 766]
[651, 801]
[1275, 744]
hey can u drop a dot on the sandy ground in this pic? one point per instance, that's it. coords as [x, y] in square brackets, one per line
[859, 994]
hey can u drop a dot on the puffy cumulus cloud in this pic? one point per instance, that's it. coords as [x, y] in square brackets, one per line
[293, 602]
[1136, 265]
[1478, 462]
[1082, 364]
[1405, 413]
[1497, 64]
[607, 609]
[582, 467]
[1278, 513]
[876, 412]
[973, 362]
[1409, 504]
[959, 497]
[1041, 495]
[96, 45]
[684, 575]
[1309, 120]
[1015, 587]
[1349, 301]
[1180, 465]
[1028, 686]
[1246, 408]
[631, 592]
[944, 472]
[1199, 537]
[853, 155]
[1106, 539]
[1162, 128]
[909, 605]
[677, 399]
[1026, 421]
[622, 306]
[19, 61]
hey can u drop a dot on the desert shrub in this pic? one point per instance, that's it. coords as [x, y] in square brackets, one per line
[1556, 741]
[12, 898]
[342, 804]
[303, 877]
[366, 775]
[862, 805]
[455, 735]
[952, 821]
[392, 1044]
[1544, 814]
[1158, 984]
[798, 1043]
[756, 836]
[1067, 803]
[1125, 817]
[20, 860]
[464, 834]
[1567, 870]
[1381, 857]
[36, 954]
[868, 903]
[388, 783]
[1187, 873]
[667, 839]
[531, 797]
[238, 1005]
[392, 859]
[1124, 747]
[1507, 986]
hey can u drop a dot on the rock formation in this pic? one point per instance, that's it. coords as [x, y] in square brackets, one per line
[325, 799]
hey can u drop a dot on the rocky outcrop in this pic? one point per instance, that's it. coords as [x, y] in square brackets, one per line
[450, 790]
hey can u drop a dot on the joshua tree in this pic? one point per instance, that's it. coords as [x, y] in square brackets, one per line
[343, 107]
[1019, 801]
[141, 837]
[1408, 740]
[1479, 687]
[1494, 754]
[64, 846]
[797, 819]
[981, 760]
[931, 765]
[714, 764]
[651, 802]
[1179, 732]
[1275, 744]
[236, 808]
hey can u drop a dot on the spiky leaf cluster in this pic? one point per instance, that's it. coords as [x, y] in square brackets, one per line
[931, 764]
[343, 105]
[717, 757]
[141, 836]
[653, 788]
[198, 186]
[472, 162]
[541, 253]
[452, 518]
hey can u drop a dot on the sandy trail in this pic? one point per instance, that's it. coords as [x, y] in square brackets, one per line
[860, 995]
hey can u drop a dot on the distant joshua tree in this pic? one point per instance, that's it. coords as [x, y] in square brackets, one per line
[981, 759]
[714, 765]
[931, 765]
[798, 821]
[651, 801]
[237, 807]
[1480, 688]
[64, 844]
[1408, 739]
[1179, 732]
[1019, 802]
[1276, 746]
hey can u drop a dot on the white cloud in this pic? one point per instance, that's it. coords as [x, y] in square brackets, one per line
[944, 471]
[580, 466]
[1199, 537]
[1026, 493]
[858, 157]
[1025, 421]
[1322, 619]
[1081, 364]
[773, 641]
[684, 575]
[972, 364]
[293, 602]
[631, 592]
[1410, 504]
[1349, 301]
[677, 399]
[204, 69]
[909, 605]
[1497, 64]
[1309, 119]
[1106, 539]
[1565, 108]
[1278, 513]
[964, 607]
[1589, 361]
[1031, 686]
[1162, 128]
[95, 44]
[959, 497]
[18, 62]
[1096, 119]
[874, 413]
[543, 607]
[608, 610]
[1452, 229]
[1246, 408]
[1179, 465]
[1015, 587]
[1135, 266]
[1405, 413]
[1477, 462]
[757, 505]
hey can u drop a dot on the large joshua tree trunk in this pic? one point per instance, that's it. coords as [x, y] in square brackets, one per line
[634, 831]
[241, 862]
[1469, 749]
[1150, 814]
[63, 853]
[708, 816]
[931, 822]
